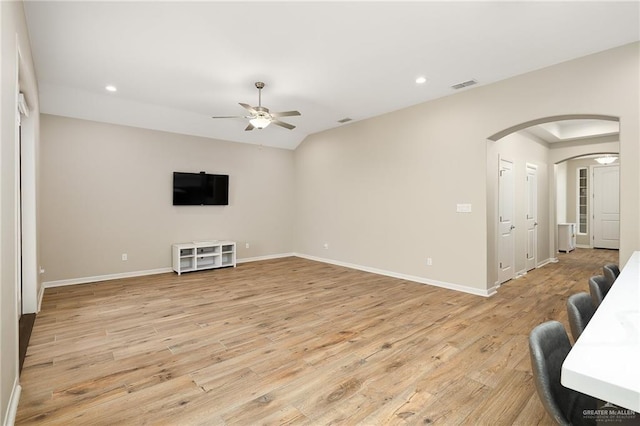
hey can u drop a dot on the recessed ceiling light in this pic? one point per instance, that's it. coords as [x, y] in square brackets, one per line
[421, 80]
[110, 88]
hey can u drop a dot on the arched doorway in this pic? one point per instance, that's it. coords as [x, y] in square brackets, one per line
[536, 147]
[588, 195]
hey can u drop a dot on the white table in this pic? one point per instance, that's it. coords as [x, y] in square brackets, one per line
[605, 361]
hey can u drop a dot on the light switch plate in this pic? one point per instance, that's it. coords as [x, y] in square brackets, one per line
[463, 208]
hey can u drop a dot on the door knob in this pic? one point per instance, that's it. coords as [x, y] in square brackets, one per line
[512, 227]
[535, 223]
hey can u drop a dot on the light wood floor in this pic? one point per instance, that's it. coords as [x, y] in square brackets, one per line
[292, 341]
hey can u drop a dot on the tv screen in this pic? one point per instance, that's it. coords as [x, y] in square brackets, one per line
[200, 189]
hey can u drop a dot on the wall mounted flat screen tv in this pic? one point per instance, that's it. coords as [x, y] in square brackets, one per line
[200, 189]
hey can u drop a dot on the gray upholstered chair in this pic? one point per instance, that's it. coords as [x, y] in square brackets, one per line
[598, 287]
[580, 310]
[611, 272]
[548, 347]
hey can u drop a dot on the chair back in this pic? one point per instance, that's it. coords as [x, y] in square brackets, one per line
[579, 310]
[548, 347]
[611, 272]
[598, 287]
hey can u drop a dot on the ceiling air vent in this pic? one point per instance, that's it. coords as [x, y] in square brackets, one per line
[345, 120]
[464, 84]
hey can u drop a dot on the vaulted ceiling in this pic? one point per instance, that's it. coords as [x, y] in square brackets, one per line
[175, 64]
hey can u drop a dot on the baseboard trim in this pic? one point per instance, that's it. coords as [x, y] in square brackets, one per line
[40, 297]
[12, 408]
[268, 257]
[86, 280]
[520, 274]
[449, 286]
[547, 261]
[585, 246]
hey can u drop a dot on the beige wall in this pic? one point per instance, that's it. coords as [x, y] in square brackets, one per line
[16, 65]
[382, 192]
[563, 151]
[106, 190]
[561, 192]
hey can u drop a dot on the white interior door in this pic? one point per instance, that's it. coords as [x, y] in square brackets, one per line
[531, 218]
[606, 207]
[506, 270]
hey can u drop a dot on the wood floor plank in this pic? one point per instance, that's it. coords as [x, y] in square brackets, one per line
[509, 357]
[401, 409]
[292, 341]
[448, 408]
[506, 401]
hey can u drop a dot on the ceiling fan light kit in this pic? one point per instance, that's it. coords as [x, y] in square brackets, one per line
[260, 117]
[260, 122]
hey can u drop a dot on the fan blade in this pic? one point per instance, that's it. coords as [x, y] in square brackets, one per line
[285, 114]
[248, 108]
[249, 127]
[229, 116]
[283, 124]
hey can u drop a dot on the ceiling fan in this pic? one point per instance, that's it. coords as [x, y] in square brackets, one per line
[260, 116]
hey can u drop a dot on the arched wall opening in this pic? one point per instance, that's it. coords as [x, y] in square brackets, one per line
[579, 189]
[522, 148]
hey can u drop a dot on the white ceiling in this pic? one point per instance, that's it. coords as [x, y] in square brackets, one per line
[175, 64]
[572, 130]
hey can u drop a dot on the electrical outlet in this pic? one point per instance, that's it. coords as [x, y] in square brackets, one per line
[246, 245]
[124, 256]
[429, 261]
[326, 246]
[41, 270]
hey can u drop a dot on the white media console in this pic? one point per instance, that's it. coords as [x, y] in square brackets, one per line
[201, 255]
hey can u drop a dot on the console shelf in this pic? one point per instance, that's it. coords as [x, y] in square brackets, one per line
[201, 255]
